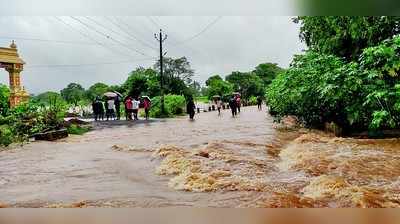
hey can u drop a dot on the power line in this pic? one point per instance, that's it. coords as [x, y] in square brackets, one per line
[49, 40]
[130, 34]
[108, 36]
[154, 22]
[89, 37]
[201, 32]
[88, 64]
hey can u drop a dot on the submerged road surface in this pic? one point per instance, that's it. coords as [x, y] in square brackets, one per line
[96, 169]
[214, 161]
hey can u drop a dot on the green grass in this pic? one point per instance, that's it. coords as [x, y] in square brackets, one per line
[78, 130]
[202, 99]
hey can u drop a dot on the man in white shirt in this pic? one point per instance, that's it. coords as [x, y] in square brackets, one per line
[135, 108]
[110, 109]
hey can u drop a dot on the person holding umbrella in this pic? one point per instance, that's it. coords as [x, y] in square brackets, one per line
[110, 105]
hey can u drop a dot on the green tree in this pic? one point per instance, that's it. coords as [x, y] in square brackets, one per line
[73, 93]
[214, 77]
[219, 87]
[97, 89]
[267, 72]
[346, 36]
[116, 88]
[153, 84]
[247, 83]
[136, 83]
[175, 69]
[47, 97]
[4, 101]
[177, 75]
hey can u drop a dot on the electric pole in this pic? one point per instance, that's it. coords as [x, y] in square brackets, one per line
[161, 38]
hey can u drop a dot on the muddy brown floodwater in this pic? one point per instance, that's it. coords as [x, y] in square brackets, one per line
[211, 162]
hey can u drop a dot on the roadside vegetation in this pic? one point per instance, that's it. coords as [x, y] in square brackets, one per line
[349, 75]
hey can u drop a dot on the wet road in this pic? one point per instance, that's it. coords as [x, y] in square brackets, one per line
[113, 166]
[215, 161]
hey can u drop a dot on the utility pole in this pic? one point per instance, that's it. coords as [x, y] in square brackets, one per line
[161, 38]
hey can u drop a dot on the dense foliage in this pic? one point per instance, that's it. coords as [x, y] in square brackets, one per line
[97, 89]
[346, 36]
[218, 87]
[73, 93]
[4, 95]
[359, 95]
[174, 105]
[267, 72]
[250, 84]
[47, 98]
[28, 119]
[247, 83]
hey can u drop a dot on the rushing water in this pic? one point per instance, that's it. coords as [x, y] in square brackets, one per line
[213, 161]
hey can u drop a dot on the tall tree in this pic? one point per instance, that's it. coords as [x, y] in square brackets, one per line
[174, 69]
[97, 89]
[219, 87]
[247, 83]
[137, 82]
[73, 93]
[47, 97]
[346, 36]
[212, 78]
[267, 72]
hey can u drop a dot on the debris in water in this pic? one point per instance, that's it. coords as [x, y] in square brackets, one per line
[129, 148]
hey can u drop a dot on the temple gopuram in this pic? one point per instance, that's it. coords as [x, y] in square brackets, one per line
[13, 64]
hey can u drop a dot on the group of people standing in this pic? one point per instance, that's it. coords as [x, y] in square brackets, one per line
[111, 108]
[235, 104]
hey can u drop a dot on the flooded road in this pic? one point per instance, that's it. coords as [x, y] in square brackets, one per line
[211, 162]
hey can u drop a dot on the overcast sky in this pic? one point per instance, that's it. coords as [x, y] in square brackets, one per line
[231, 43]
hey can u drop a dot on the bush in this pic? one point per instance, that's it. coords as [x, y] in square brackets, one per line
[357, 96]
[6, 135]
[174, 105]
[77, 130]
[28, 119]
[252, 101]
[202, 99]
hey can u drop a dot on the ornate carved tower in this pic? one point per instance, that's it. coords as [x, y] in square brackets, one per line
[9, 59]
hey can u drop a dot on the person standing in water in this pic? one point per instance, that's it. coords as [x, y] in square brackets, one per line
[128, 108]
[98, 109]
[136, 104]
[259, 102]
[232, 105]
[219, 106]
[147, 106]
[190, 108]
[110, 109]
[238, 103]
[117, 103]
